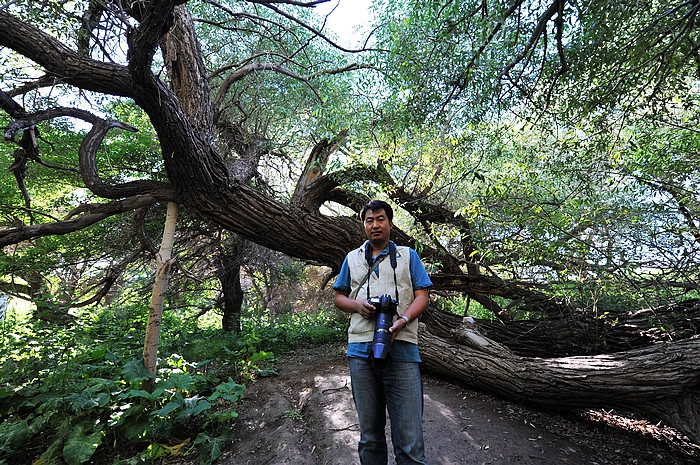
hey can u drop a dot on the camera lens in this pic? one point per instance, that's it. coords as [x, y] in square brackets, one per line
[381, 342]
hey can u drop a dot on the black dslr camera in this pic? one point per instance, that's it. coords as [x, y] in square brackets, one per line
[386, 309]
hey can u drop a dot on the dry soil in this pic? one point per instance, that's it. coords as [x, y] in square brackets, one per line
[305, 415]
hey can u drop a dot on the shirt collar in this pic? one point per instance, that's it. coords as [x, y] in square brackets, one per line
[383, 252]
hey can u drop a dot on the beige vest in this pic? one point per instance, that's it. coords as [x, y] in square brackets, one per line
[361, 329]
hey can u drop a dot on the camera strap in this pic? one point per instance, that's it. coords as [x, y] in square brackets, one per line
[371, 266]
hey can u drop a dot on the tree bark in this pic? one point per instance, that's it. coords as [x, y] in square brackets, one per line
[229, 259]
[164, 262]
[233, 298]
[581, 333]
[660, 382]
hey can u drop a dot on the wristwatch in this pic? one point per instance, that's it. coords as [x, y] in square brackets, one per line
[406, 319]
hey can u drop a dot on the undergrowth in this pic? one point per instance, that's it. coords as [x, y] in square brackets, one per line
[74, 395]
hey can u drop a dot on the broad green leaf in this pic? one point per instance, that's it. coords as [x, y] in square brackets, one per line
[167, 409]
[135, 371]
[80, 447]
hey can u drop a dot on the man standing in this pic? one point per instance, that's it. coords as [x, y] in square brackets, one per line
[397, 385]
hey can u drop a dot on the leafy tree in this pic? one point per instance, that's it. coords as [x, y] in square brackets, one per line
[525, 107]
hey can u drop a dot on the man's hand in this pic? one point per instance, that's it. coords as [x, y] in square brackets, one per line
[366, 309]
[346, 304]
[398, 325]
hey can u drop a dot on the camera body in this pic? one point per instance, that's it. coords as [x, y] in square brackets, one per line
[381, 342]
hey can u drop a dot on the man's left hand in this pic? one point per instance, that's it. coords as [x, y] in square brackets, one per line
[397, 327]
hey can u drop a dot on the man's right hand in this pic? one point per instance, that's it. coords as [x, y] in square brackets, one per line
[366, 309]
[346, 304]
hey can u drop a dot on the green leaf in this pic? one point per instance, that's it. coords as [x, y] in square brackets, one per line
[169, 408]
[134, 426]
[97, 354]
[135, 371]
[139, 393]
[13, 433]
[230, 391]
[222, 417]
[195, 406]
[261, 355]
[4, 392]
[178, 381]
[209, 447]
[126, 414]
[80, 447]
[91, 397]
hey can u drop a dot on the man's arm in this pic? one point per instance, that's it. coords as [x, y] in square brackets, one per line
[342, 291]
[417, 307]
[348, 305]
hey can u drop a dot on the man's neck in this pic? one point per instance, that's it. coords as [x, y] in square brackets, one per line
[377, 248]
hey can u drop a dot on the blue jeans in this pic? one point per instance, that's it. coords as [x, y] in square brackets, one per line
[400, 391]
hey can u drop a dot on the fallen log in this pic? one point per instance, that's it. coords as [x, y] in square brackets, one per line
[577, 332]
[660, 382]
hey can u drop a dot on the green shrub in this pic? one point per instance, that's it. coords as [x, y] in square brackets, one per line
[67, 393]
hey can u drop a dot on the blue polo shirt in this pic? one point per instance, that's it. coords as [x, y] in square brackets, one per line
[401, 351]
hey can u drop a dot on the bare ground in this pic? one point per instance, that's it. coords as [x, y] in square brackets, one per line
[306, 416]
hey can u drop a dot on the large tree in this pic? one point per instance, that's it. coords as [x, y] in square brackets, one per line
[461, 82]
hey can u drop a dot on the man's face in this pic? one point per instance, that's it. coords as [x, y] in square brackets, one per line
[377, 226]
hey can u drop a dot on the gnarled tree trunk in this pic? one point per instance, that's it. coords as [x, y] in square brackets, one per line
[577, 332]
[660, 381]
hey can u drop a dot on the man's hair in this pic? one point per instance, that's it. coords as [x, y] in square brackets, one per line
[376, 205]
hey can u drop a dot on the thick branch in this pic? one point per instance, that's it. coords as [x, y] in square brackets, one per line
[60, 61]
[426, 213]
[88, 215]
[579, 332]
[313, 170]
[306, 26]
[461, 83]
[534, 37]
[492, 286]
[187, 73]
[88, 169]
[661, 381]
[103, 287]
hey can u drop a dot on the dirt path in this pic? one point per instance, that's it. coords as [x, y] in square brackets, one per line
[306, 416]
